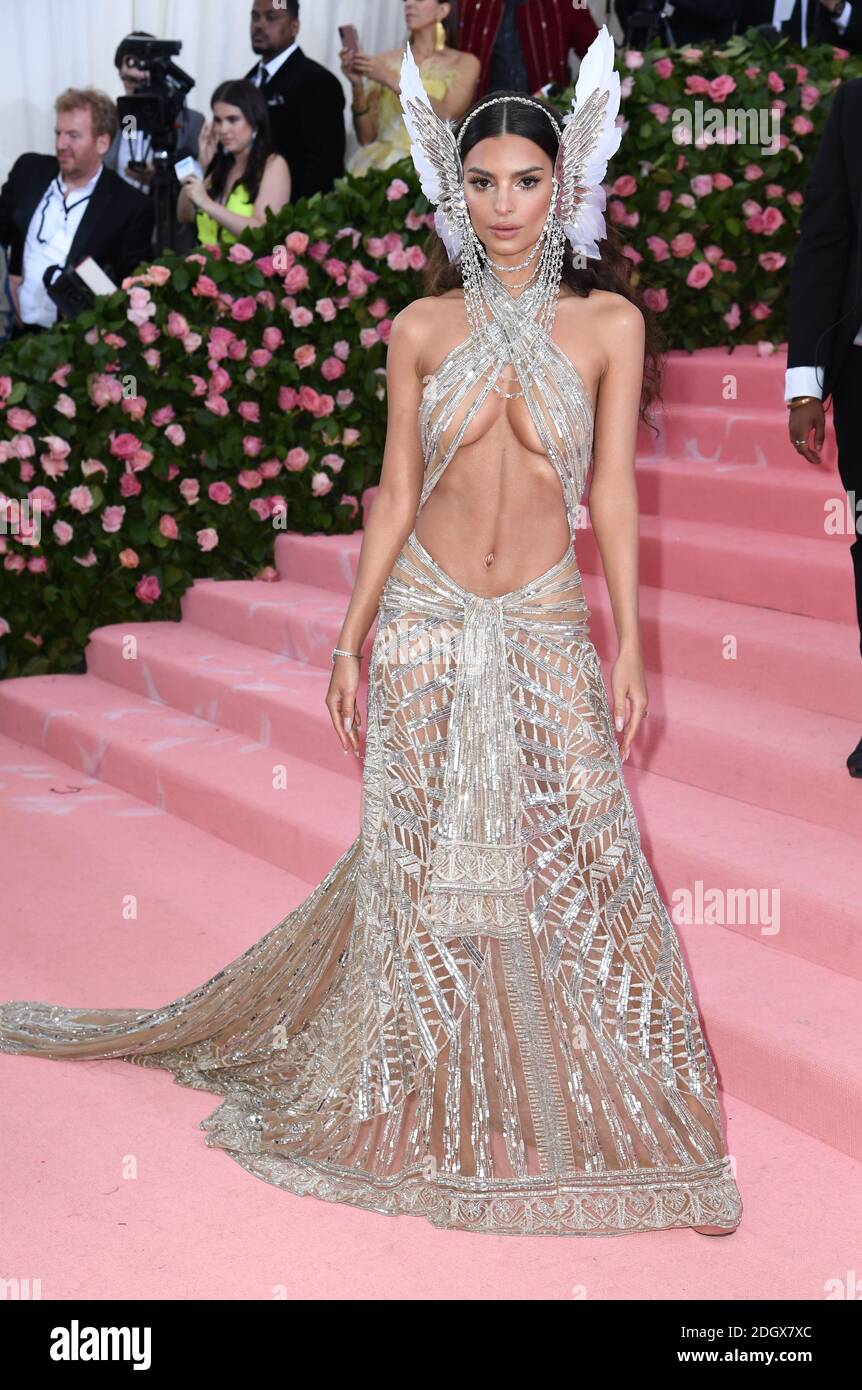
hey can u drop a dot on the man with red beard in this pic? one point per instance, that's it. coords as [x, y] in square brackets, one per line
[523, 44]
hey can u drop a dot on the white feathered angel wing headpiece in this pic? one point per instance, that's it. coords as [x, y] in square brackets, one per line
[590, 137]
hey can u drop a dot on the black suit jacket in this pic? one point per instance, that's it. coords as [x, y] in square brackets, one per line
[821, 27]
[825, 284]
[306, 111]
[116, 228]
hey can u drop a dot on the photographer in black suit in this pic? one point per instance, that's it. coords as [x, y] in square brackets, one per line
[57, 210]
[824, 343]
[305, 100]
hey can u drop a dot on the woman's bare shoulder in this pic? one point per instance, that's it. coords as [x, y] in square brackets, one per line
[432, 324]
[605, 311]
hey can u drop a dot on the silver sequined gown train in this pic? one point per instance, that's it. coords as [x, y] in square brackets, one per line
[481, 1014]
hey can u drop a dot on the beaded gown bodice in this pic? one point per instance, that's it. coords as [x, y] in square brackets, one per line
[553, 390]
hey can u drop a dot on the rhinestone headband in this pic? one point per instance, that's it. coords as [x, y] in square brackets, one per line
[525, 101]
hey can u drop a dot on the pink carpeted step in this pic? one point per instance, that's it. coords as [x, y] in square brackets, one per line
[726, 434]
[758, 652]
[704, 377]
[275, 699]
[776, 879]
[763, 569]
[326, 562]
[796, 499]
[286, 618]
[759, 751]
[247, 792]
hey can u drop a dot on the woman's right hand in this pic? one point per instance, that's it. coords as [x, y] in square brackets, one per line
[341, 701]
[346, 56]
[207, 143]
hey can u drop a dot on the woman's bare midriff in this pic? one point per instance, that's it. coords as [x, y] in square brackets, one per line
[496, 518]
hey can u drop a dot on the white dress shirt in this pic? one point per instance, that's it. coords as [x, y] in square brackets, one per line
[807, 381]
[783, 9]
[49, 239]
[267, 70]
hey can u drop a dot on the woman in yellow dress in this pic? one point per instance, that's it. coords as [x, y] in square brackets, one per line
[449, 76]
[242, 174]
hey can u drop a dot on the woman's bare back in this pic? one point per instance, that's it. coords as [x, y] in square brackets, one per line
[497, 518]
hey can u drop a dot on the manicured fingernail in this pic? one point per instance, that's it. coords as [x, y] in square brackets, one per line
[347, 726]
[619, 721]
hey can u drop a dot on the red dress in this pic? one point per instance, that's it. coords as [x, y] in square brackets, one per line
[547, 29]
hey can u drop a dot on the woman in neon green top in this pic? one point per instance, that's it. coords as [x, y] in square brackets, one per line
[449, 76]
[243, 176]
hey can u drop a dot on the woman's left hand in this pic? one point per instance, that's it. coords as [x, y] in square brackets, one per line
[196, 190]
[367, 65]
[628, 682]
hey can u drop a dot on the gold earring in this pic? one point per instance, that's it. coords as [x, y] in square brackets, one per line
[439, 35]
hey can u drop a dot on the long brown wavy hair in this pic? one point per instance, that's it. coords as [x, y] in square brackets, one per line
[613, 272]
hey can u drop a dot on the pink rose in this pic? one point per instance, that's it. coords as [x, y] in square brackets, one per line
[135, 407]
[128, 558]
[321, 484]
[659, 248]
[163, 416]
[249, 410]
[287, 397]
[190, 490]
[624, 186]
[308, 398]
[664, 200]
[249, 478]
[243, 309]
[722, 181]
[296, 460]
[81, 498]
[721, 87]
[326, 309]
[123, 446]
[701, 185]
[130, 486]
[112, 519]
[760, 311]
[656, 300]
[63, 532]
[301, 317]
[296, 279]
[168, 526]
[148, 589]
[297, 242]
[207, 539]
[251, 445]
[699, 276]
[771, 260]
[239, 253]
[305, 355]
[176, 435]
[272, 339]
[663, 67]
[205, 287]
[416, 258]
[221, 493]
[331, 369]
[397, 189]
[18, 418]
[217, 405]
[682, 244]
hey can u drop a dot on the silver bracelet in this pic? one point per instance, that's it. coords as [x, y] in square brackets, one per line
[339, 651]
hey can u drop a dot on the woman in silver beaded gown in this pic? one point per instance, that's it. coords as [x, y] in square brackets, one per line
[481, 1014]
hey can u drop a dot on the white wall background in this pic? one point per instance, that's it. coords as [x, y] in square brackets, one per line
[47, 45]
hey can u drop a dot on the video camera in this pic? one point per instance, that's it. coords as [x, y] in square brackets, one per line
[155, 109]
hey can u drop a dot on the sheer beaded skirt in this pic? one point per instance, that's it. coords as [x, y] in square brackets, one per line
[481, 1014]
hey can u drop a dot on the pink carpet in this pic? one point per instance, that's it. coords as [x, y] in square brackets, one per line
[146, 845]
